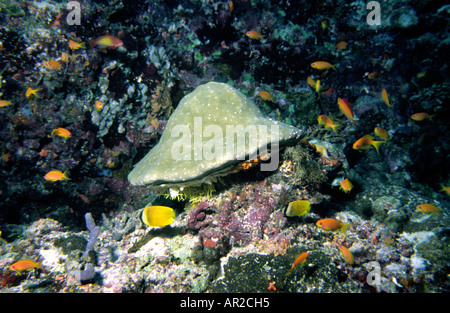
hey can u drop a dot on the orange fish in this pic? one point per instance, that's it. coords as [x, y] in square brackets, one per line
[365, 142]
[75, 45]
[330, 224]
[428, 208]
[24, 265]
[53, 65]
[327, 122]
[64, 57]
[32, 92]
[385, 97]
[266, 95]
[348, 256]
[382, 133]
[106, 41]
[4, 103]
[254, 34]
[418, 117]
[57, 21]
[61, 132]
[445, 189]
[321, 65]
[329, 91]
[372, 75]
[98, 105]
[345, 107]
[341, 45]
[56, 175]
[299, 260]
[345, 185]
[311, 82]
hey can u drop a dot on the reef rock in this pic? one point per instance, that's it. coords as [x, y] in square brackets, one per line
[213, 129]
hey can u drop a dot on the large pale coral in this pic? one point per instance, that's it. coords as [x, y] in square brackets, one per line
[213, 129]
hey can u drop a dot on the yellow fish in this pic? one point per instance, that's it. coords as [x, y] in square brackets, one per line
[418, 117]
[317, 87]
[266, 95]
[106, 41]
[299, 260]
[157, 216]
[4, 103]
[327, 122]
[385, 97]
[345, 185]
[382, 133]
[298, 208]
[32, 92]
[61, 132]
[428, 208]
[56, 176]
[365, 142]
[322, 65]
[330, 224]
[321, 150]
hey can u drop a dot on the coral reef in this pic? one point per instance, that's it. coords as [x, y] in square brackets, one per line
[115, 82]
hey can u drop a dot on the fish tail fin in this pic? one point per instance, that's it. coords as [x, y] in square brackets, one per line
[335, 126]
[432, 117]
[36, 91]
[344, 228]
[334, 67]
[377, 145]
[288, 272]
[53, 131]
[65, 175]
[92, 43]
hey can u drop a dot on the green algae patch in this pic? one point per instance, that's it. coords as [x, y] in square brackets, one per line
[256, 272]
[70, 244]
[304, 167]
